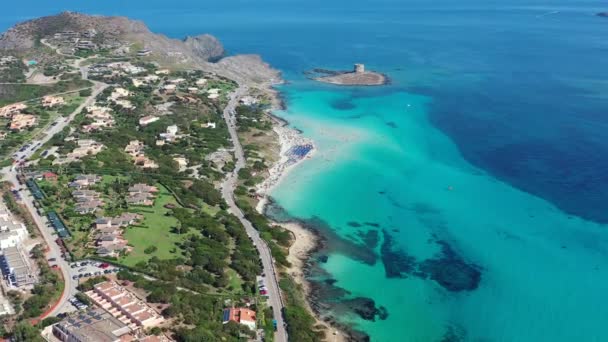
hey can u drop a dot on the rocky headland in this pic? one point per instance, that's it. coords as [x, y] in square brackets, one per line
[203, 52]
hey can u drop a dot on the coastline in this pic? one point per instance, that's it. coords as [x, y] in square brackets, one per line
[305, 241]
[288, 139]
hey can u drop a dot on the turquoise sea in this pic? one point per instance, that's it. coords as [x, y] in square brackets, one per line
[467, 200]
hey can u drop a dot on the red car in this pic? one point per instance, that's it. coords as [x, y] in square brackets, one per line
[104, 265]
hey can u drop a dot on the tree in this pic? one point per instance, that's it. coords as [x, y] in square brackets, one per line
[25, 332]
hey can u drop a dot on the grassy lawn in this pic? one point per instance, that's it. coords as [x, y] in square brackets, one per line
[235, 280]
[155, 230]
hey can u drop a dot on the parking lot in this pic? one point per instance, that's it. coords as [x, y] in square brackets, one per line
[90, 268]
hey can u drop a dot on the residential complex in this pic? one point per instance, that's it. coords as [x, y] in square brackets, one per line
[16, 267]
[124, 305]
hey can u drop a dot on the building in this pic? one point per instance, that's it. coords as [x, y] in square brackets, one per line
[124, 305]
[16, 268]
[50, 176]
[84, 181]
[146, 120]
[240, 315]
[171, 134]
[10, 110]
[93, 324]
[359, 68]
[144, 52]
[142, 194]
[120, 92]
[21, 121]
[52, 101]
[12, 232]
[213, 93]
[209, 125]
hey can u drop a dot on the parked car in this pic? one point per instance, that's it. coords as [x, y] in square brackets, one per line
[53, 259]
[75, 277]
[104, 265]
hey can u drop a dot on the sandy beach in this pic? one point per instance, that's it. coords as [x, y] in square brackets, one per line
[288, 138]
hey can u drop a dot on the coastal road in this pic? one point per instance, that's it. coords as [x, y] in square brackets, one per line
[274, 292]
[10, 174]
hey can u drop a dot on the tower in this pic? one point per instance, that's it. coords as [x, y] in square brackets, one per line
[359, 68]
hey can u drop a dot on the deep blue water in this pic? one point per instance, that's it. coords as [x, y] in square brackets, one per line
[517, 88]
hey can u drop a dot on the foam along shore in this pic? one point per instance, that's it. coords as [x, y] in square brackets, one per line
[294, 149]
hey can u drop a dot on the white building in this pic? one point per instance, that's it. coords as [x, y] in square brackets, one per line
[12, 232]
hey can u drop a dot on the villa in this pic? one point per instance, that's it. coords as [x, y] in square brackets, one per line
[10, 110]
[242, 316]
[52, 101]
[21, 121]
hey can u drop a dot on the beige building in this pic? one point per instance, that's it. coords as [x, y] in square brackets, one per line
[21, 121]
[124, 305]
[52, 101]
[10, 110]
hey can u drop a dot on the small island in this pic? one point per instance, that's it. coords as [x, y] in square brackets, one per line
[356, 77]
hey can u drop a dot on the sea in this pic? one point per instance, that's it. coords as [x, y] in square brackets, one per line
[465, 201]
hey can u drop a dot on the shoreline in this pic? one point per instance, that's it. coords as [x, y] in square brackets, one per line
[305, 241]
[288, 139]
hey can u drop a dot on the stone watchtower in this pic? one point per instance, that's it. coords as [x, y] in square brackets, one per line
[359, 68]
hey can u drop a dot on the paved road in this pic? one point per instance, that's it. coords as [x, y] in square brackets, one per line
[274, 294]
[10, 174]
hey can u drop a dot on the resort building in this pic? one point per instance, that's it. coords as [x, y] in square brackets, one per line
[101, 118]
[21, 121]
[52, 101]
[16, 268]
[213, 93]
[142, 194]
[86, 147]
[87, 201]
[146, 120]
[171, 134]
[182, 163]
[240, 315]
[12, 232]
[109, 233]
[119, 92]
[124, 305]
[93, 324]
[84, 181]
[169, 88]
[136, 150]
[10, 110]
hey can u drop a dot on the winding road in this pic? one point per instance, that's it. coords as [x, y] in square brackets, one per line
[228, 186]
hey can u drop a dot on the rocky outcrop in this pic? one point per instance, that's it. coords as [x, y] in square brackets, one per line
[206, 47]
[24, 36]
[201, 52]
